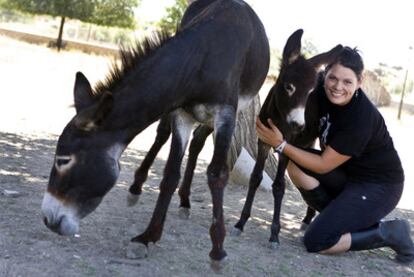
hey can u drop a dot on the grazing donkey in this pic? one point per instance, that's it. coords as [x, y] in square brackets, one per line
[212, 66]
[285, 105]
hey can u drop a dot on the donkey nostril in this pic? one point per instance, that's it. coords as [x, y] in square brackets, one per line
[54, 226]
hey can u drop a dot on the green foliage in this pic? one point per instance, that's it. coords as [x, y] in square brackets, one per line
[115, 13]
[102, 12]
[275, 57]
[392, 78]
[12, 16]
[173, 17]
[408, 88]
[121, 38]
[309, 49]
[77, 9]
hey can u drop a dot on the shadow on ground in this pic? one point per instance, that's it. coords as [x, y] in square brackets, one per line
[27, 247]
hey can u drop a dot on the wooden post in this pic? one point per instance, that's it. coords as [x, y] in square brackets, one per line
[89, 32]
[402, 96]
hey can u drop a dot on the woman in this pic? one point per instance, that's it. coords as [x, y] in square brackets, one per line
[357, 178]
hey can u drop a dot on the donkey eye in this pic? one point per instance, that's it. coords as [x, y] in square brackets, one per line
[290, 88]
[64, 163]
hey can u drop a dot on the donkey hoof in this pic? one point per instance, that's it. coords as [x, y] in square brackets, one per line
[136, 250]
[184, 213]
[303, 226]
[235, 232]
[218, 266]
[273, 245]
[132, 199]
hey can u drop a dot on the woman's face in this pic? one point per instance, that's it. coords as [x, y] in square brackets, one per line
[340, 84]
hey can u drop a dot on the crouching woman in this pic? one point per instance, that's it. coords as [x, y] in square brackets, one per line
[357, 177]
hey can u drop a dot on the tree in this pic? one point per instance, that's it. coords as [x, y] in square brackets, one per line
[173, 17]
[102, 12]
[245, 136]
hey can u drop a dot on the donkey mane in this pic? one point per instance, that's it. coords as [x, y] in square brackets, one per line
[130, 57]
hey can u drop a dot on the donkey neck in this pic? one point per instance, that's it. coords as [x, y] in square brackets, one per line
[158, 85]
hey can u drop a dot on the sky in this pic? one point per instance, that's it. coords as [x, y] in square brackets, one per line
[383, 30]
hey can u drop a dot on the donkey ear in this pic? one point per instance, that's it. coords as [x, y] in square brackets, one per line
[91, 117]
[83, 95]
[327, 57]
[292, 48]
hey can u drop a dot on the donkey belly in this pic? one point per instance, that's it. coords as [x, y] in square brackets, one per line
[203, 113]
[206, 113]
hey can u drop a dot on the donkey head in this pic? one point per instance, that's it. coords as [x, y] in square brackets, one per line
[297, 78]
[86, 162]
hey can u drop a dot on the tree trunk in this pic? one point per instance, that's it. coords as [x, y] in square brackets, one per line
[245, 136]
[59, 39]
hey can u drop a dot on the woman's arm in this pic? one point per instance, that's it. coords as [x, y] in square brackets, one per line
[320, 164]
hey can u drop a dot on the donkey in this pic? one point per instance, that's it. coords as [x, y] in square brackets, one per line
[200, 134]
[285, 105]
[212, 65]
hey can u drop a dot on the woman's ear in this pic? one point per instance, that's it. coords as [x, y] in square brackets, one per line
[360, 80]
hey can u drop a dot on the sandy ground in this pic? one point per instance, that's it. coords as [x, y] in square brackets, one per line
[36, 98]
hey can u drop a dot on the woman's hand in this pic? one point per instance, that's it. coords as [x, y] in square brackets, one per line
[271, 136]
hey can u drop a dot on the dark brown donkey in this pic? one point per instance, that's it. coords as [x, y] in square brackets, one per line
[200, 135]
[285, 105]
[215, 62]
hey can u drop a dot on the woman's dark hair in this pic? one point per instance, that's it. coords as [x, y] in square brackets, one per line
[350, 58]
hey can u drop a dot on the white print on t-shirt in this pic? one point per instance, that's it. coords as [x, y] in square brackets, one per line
[324, 125]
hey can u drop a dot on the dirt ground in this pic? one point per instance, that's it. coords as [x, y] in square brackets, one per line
[36, 91]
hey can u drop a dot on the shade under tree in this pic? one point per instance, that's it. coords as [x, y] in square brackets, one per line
[117, 13]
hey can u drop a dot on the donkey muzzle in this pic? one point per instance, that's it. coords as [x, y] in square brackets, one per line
[58, 217]
[62, 226]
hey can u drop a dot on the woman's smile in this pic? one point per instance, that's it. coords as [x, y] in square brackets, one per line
[341, 84]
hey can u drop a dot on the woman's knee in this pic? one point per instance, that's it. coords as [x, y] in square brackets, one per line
[295, 173]
[300, 179]
[316, 242]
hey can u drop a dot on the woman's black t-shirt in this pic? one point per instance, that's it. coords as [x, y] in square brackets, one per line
[357, 129]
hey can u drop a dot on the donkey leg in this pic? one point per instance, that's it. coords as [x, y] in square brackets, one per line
[278, 190]
[181, 131]
[310, 213]
[307, 140]
[255, 179]
[218, 174]
[141, 174]
[197, 143]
